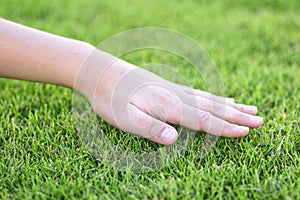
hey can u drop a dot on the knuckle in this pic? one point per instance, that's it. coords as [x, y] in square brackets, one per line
[218, 107]
[144, 121]
[154, 129]
[165, 99]
[205, 102]
[172, 107]
[221, 110]
[237, 115]
[162, 99]
[175, 114]
[204, 117]
[226, 129]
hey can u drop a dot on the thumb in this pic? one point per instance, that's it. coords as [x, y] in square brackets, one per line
[144, 125]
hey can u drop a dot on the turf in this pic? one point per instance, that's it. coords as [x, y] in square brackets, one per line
[256, 47]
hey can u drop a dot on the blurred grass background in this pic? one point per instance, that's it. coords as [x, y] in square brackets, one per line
[256, 47]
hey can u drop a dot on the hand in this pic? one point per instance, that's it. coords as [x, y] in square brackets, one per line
[140, 102]
[126, 96]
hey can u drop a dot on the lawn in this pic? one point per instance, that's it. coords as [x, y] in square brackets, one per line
[256, 48]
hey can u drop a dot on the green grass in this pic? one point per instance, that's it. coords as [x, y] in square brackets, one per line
[256, 46]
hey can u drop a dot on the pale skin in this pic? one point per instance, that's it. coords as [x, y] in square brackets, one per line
[146, 104]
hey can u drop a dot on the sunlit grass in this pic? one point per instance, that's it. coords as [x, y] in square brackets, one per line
[256, 49]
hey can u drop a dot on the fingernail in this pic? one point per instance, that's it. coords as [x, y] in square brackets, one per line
[242, 129]
[250, 108]
[257, 120]
[167, 135]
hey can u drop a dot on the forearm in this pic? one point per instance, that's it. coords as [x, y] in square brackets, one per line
[29, 54]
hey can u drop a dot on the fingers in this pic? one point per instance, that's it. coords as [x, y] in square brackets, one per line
[230, 114]
[249, 109]
[252, 110]
[197, 113]
[203, 112]
[196, 119]
[142, 124]
[207, 95]
[157, 131]
[190, 117]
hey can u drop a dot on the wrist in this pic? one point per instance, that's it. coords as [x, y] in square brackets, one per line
[78, 52]
[100, 72]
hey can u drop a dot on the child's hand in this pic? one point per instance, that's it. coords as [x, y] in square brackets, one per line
[140, 102]
[127, 97]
